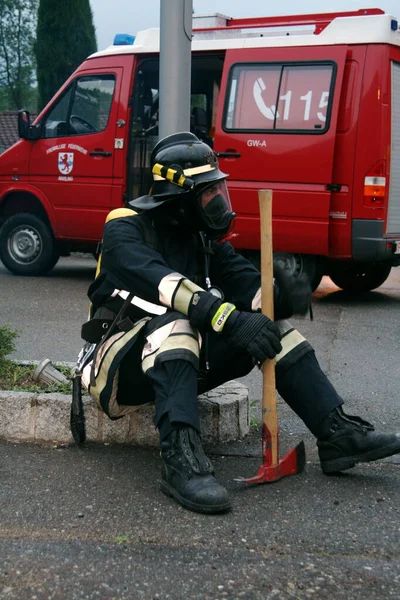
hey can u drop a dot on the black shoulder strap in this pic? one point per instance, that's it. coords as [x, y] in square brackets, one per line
[110, 330]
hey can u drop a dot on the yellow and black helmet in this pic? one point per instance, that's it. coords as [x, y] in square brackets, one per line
[188, 183]
[180, 164]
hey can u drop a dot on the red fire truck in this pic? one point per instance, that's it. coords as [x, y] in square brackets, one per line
[308, 106]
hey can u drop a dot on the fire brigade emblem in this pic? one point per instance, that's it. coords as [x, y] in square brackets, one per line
[65, 162]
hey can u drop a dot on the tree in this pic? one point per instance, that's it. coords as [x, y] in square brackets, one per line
[17, 58]
[65, 37]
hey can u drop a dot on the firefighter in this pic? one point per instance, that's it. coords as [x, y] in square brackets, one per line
[193, 322]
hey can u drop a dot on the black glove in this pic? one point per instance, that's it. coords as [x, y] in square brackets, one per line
[292, 295]
[255, 333]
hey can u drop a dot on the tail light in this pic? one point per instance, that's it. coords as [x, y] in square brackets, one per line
[375, 185]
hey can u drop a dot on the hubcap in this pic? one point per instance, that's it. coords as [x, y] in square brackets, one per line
[24, 245]
[291, 263]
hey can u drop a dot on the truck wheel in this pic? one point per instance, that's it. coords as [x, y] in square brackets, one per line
[27, 245]
[297, 264]
[358, 277]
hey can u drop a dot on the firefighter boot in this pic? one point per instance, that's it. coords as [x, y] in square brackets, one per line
[187, 474]
[345, 440]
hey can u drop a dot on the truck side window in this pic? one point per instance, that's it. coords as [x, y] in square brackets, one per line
[56, 121]
[83, 109]
[279, 97]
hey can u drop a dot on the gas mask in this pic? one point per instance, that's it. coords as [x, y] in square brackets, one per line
[214, 209]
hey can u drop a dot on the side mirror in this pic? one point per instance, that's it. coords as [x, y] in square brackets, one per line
[24, 124]
[25, 130]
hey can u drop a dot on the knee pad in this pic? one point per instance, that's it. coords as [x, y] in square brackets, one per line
[170, 337]
[294, 346]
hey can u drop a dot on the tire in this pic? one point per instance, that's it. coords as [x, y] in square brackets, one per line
[358, 277]
[27, 245]
[297, 264]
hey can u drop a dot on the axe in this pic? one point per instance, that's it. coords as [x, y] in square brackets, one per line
[293, 462]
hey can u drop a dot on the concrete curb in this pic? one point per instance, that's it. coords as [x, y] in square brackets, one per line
[34, 417]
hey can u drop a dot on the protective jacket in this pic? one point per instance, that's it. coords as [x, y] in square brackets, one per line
[154, 260]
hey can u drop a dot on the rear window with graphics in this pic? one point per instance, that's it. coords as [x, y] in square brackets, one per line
[279, 97]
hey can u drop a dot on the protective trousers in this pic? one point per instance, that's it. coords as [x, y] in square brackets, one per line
[171, 359]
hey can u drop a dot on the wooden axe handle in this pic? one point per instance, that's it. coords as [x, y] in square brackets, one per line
[269, 409]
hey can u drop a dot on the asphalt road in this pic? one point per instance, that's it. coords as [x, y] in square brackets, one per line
[91, 523]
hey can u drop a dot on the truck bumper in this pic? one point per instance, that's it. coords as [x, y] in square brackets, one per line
[370, 245]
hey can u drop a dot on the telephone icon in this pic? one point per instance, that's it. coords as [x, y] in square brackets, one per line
[269, 112]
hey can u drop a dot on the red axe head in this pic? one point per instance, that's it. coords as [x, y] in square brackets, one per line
[293, 462]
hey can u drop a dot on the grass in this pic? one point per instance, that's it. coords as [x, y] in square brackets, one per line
[254, 421]
[16, 377]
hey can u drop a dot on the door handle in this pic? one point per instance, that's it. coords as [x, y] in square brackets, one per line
[333, 187]
[228, 154]
[100, 153]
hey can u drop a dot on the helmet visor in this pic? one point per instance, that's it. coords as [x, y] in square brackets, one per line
[214, 206]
